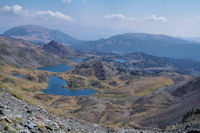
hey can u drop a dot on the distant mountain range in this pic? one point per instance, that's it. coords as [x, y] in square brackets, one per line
[39, 35]
[153, 44]
[158, 45]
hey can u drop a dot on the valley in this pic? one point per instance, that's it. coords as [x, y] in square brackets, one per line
[116, 91]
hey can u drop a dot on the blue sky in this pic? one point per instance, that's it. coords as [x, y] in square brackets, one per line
[93, 19]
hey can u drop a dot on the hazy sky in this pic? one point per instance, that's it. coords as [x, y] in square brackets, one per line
[92, 19]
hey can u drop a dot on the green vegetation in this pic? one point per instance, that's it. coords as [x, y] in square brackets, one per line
[114, 96]
[6, 128]
[16, 95]
[25, 89]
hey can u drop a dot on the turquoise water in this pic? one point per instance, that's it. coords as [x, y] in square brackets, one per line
[55, 87]
[57, 68]
[18, 76]
[121, 60]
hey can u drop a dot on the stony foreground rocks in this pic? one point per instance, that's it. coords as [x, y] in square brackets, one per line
[18, 116]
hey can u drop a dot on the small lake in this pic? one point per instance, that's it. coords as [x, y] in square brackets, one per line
[134, 68]
[18, 76]
[77, 60]
[121, 60]
[56, 84]
[57, 68]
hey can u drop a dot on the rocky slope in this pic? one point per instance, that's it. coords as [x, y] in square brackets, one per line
[58, 49]
[190, 122]
[22, 53]
[167, 105]
[39, 35]
[18, 116]
[100, 69]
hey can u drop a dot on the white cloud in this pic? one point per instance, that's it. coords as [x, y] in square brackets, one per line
[16, 9]
[155, 18]
[42, 14]
[58, 15]
[115, 16]
[132, 19]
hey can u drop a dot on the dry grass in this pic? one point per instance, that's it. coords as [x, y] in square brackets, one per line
[147, 86]
[21, 88]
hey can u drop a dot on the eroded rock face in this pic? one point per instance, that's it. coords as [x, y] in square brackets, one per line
[100, 72]
[30, 77]
[190, 122]
[99, 69]
[76, 82]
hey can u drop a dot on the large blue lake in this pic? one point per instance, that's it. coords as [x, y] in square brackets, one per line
[57, 68]
[56, 87]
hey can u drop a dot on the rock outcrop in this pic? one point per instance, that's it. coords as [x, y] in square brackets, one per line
[190, 122]
[58, 49]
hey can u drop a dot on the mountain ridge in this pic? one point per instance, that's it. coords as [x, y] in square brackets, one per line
[153, 44]
[39, 34]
